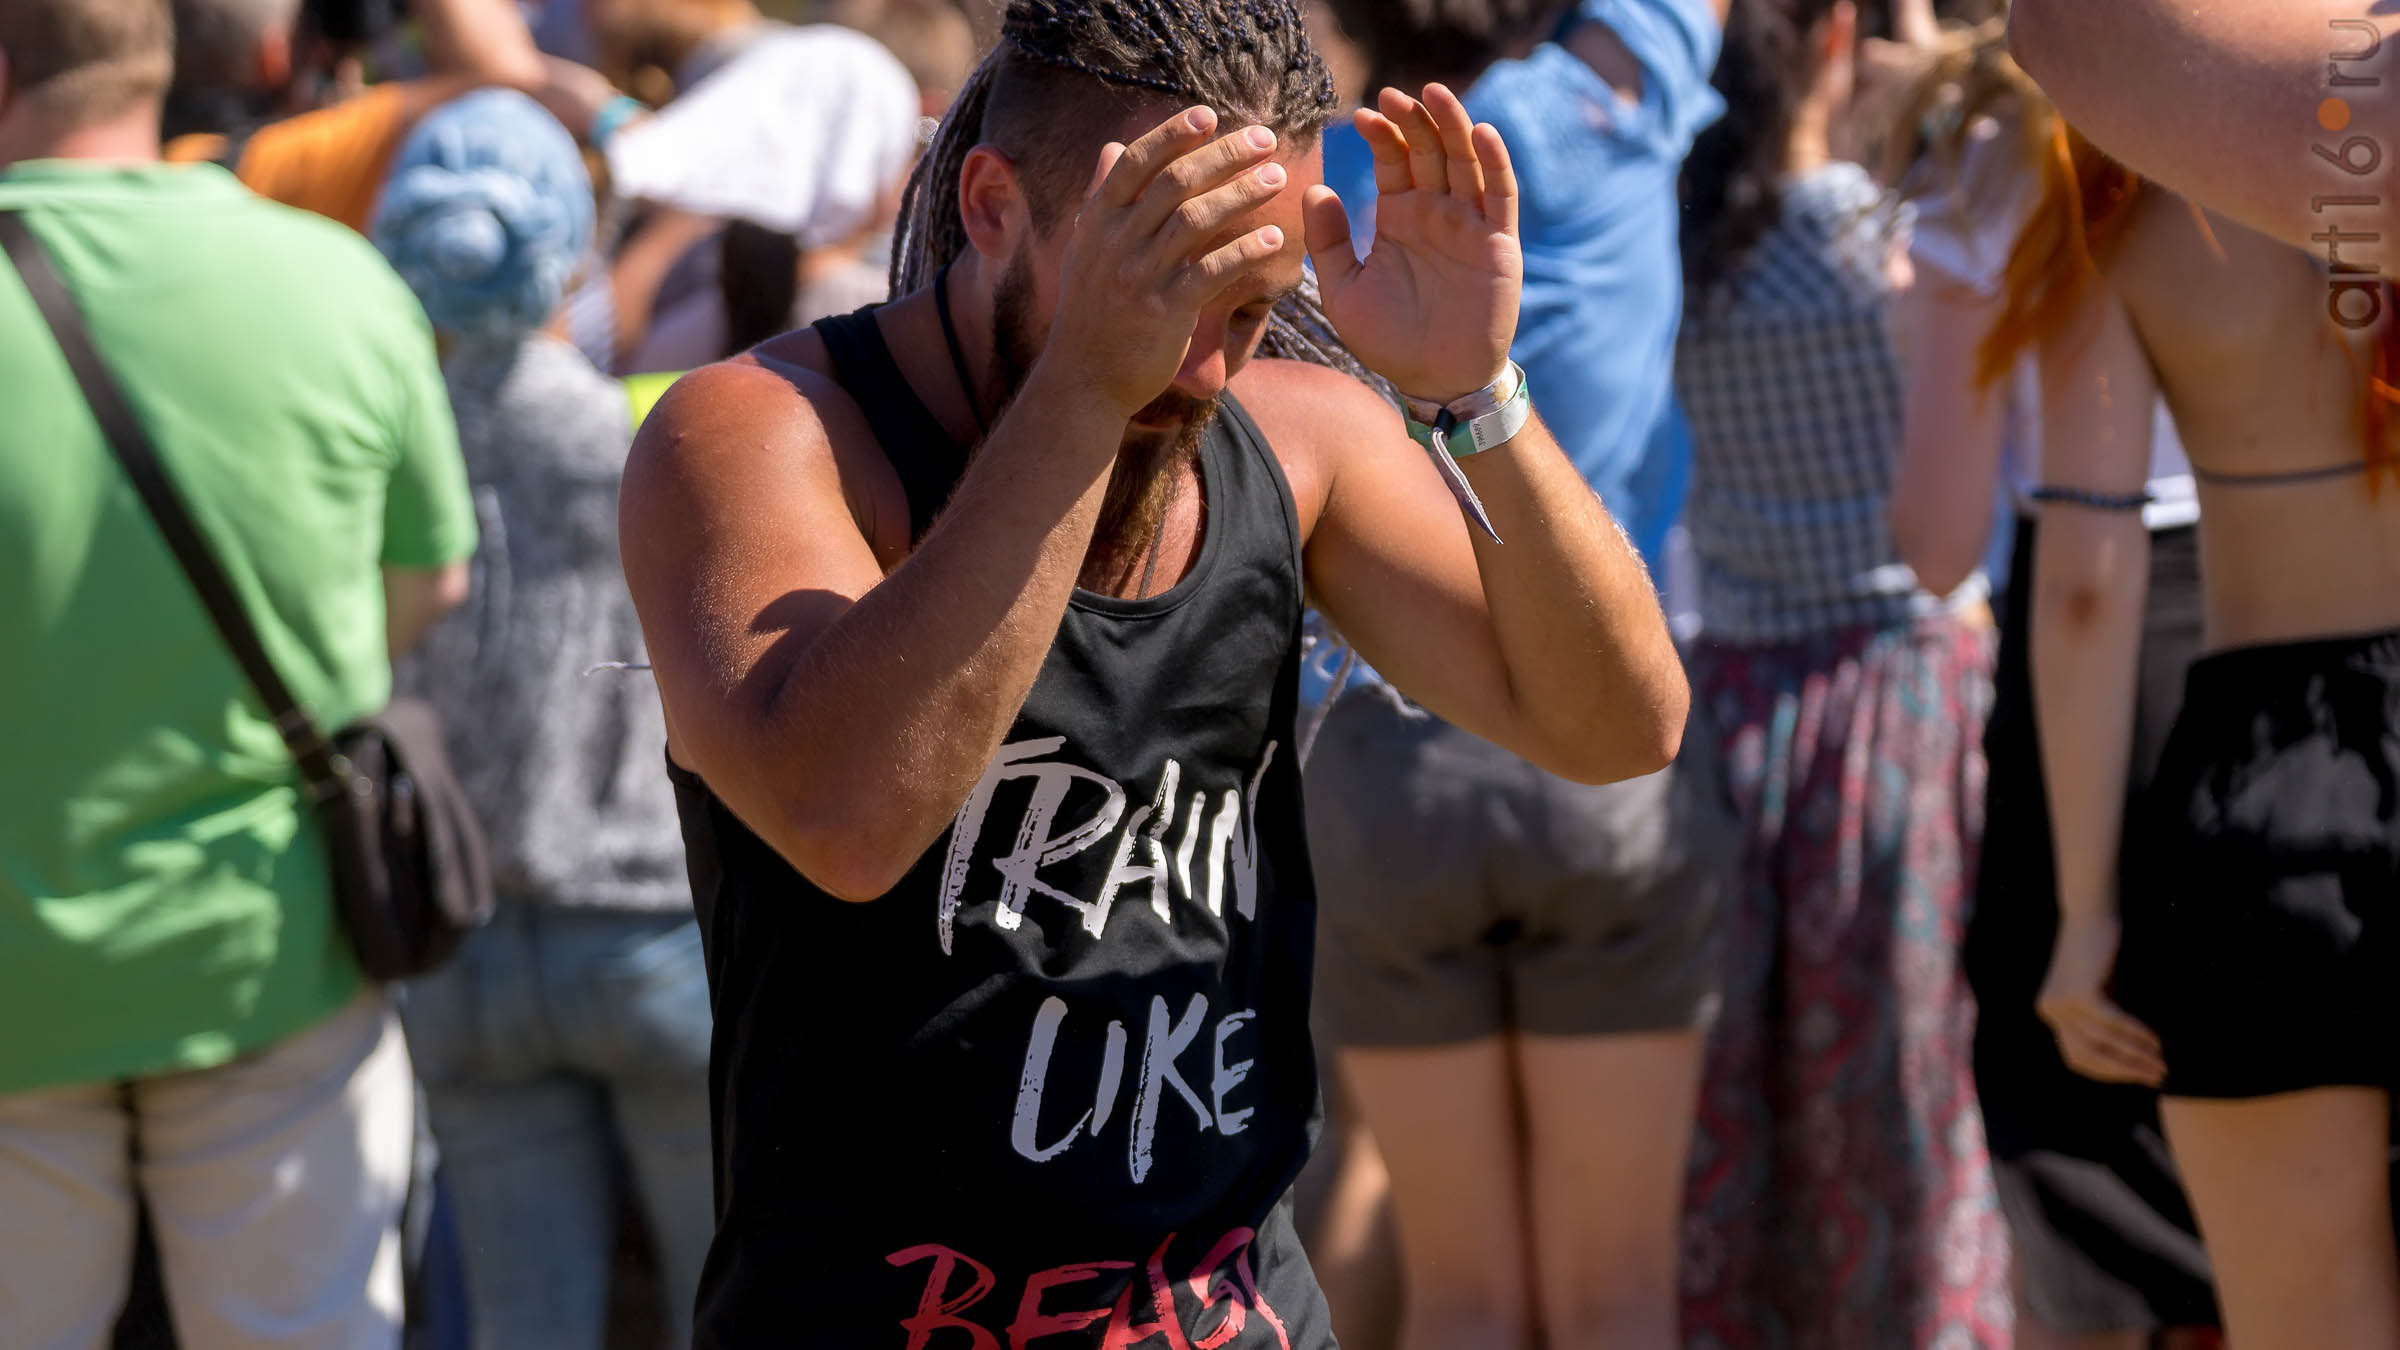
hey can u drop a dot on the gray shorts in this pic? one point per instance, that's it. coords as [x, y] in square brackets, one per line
[1464, 892]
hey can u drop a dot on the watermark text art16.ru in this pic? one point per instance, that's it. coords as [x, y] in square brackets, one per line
[2357, 289]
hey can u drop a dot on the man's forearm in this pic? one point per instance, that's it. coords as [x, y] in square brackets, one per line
[926, 672]
[2230, 102]
[1591, 664]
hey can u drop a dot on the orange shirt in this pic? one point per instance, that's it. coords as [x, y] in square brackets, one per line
[331, 161]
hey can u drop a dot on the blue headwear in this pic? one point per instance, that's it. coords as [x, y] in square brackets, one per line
[486, 214]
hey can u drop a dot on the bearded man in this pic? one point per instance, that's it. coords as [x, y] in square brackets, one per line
[976, 617]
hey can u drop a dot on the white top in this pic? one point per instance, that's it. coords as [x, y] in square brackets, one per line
[809, 131]
[1967, 234]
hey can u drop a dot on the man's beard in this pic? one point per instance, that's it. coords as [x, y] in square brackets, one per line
[1149, 463]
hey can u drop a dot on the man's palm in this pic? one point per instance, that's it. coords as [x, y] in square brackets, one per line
[1433, 308]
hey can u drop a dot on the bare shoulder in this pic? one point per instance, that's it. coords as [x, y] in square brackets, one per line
[2254, 290]
[760, 428]
[776, 391]
[1312, 417]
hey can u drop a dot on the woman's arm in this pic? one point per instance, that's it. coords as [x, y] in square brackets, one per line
[2091, 576]
[1942, 493]
[2228, 102]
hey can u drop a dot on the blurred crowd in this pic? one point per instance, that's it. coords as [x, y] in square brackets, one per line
[1809, 1040]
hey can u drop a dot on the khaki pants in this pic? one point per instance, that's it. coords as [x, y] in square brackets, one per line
[274, 1184]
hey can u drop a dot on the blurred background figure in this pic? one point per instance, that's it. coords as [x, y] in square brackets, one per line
[763, 193]
[574, 1031]
[1840, 1192]
[2108, 1254]
[188, 1032]
[1517, 971]
[271, 89]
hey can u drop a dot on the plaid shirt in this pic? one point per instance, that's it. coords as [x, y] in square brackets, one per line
[1794, 391]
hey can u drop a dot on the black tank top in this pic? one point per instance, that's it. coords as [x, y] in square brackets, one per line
[1053, 1089]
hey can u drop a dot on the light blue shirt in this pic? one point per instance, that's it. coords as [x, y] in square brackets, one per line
[1600, 225]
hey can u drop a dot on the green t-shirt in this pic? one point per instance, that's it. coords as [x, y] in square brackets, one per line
[164, 901]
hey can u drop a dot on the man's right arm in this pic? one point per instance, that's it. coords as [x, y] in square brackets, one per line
[2222, 102]
[844, 714]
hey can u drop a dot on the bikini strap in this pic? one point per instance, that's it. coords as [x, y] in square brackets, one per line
[2297, 476]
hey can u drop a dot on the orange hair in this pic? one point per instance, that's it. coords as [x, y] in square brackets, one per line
[2086, 201]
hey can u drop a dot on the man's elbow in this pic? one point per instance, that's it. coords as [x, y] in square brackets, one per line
[450, 588]
[489, 64]
[850, 876]
[523, 71]
[844, 855]
[1628, 746]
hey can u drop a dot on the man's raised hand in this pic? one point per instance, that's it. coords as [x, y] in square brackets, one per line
[1433, 308]
[1139, 268]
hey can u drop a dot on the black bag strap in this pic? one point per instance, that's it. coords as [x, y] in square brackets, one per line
[328, 774]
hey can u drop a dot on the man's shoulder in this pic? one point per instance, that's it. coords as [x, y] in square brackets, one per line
[1305, 398]
[780, 398]
[767, 426]
[1309, 415]
[787, 383]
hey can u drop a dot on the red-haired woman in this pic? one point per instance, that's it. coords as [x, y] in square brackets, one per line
[2108, 1253]
[2256, 979]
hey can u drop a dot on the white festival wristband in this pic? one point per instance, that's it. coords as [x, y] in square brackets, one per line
[1499, 411]
[1489, 399]
[1492, 416]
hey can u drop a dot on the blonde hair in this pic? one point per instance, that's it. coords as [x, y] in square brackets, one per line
[1969, 81]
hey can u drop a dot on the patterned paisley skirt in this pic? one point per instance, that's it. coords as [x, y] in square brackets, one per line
[1840, 1197]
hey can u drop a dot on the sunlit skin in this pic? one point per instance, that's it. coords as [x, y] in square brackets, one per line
[2226, 101]
[842, 688]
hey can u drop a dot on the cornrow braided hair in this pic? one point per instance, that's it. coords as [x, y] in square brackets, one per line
[1250, 60]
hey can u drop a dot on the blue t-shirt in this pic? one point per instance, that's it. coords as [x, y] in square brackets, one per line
[1603, 270]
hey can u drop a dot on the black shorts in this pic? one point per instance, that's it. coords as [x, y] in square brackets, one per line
[2266, 955]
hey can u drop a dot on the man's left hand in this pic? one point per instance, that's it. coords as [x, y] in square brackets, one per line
[1433, 308]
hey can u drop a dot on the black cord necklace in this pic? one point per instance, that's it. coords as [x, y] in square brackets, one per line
[958, 353]
[966, 385]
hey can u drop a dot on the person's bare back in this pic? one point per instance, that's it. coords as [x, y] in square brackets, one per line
[2263, 382]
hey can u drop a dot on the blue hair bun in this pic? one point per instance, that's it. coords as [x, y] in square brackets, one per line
[486, 214]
